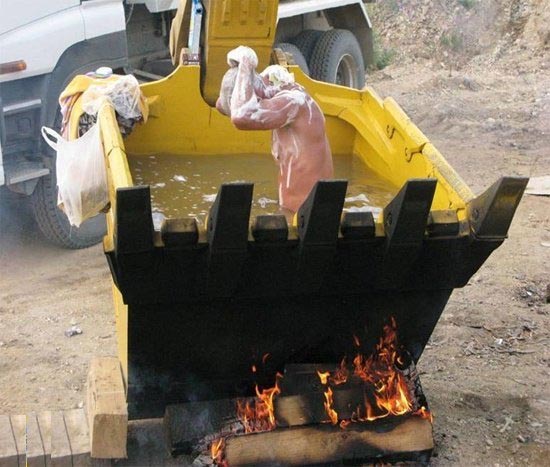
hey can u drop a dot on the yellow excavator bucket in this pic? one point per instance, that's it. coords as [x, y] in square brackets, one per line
[220, 278]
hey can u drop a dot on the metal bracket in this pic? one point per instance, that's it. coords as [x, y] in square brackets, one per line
[409, 153]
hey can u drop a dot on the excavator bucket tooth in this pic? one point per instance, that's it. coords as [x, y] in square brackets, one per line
[318, 225]
[491, 212]
[134, 220]
[405, 220]
[228, 236]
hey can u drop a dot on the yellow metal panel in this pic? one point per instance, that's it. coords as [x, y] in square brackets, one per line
[183, 123]
[231, 23]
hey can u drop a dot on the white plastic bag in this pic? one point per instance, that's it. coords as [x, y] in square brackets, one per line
[81, 174]
[123, 93]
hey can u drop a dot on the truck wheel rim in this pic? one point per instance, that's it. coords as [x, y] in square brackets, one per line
[345, 71]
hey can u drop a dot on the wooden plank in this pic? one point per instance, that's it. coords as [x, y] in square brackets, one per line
[309, 408]
[409, 438]
[107, 409]
[45, 425]
[8, 448]
[302, 396]
[79, 437]
[19, 426]
[61, 448]
[36, 456]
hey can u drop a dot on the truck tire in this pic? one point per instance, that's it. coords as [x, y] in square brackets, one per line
[53, 222]
[337, 58]
[55, 226]
[299, 59]
[306, 42]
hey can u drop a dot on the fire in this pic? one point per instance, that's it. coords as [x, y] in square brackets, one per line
[424, 413]
[324, 377]
[217, 451]
[341, 374]
[259, 414]
[328, 407]
[388, 392]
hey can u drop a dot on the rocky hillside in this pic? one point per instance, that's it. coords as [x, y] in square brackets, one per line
[456, 33]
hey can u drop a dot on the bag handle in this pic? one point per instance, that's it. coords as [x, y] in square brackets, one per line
[48, 134]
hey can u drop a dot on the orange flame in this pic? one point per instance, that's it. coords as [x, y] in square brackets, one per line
[217, 451]
[341, 374]
[324, 377]
[328, 407]
[259, 414]
[389, 393]
[424, 413]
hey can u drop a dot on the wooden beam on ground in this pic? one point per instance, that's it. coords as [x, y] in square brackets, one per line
[107, 409]
[61, 447]
[407, 438]
[19, 427]
[45, 425]
[38, 441]
[8, 447]
[79, 437]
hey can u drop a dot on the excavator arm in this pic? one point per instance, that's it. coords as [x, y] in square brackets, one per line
[252, 22]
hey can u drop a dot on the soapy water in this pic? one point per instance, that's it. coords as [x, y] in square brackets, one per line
[186, 186]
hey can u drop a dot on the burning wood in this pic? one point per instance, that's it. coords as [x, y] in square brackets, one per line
[388, 440]
[358, 397]
[387, 390]
[259, 415]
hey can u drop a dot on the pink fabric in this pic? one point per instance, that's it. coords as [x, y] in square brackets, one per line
[299, 142]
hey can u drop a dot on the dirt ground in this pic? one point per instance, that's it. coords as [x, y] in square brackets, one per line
[485, 104]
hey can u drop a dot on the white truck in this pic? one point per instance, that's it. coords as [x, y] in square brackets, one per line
[44, 43]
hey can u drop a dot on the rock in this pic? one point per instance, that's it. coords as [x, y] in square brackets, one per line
[470, 84]
[73, 331]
